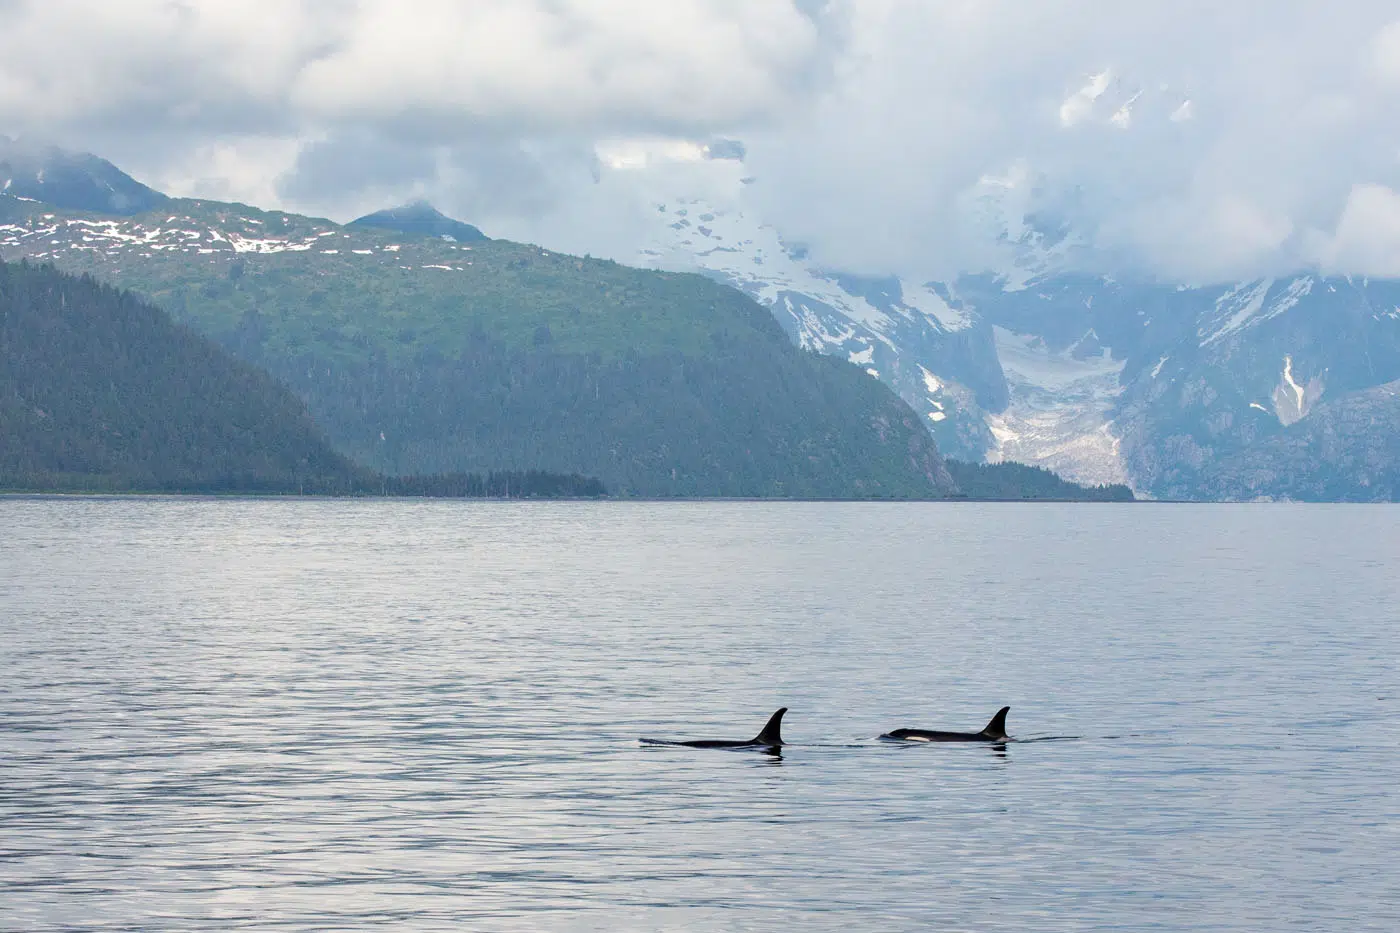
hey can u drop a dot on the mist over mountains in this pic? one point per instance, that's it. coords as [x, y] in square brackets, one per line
[1266, 388]
[71, 180]
[1180, 390]
[420, 354]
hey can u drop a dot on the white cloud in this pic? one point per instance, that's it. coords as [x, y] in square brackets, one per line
[431, 67]
[562, 66]
[1367, 238]
[1205, 236]
[1189, 139]
[1079, 106]
[237, 169]
[1385, 54]
[1185, 139]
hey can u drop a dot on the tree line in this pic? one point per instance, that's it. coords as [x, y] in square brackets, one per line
[101, 392]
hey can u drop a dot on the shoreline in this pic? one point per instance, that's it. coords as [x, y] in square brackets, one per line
[951, 500]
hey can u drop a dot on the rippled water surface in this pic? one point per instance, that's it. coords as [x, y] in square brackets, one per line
[318, 715]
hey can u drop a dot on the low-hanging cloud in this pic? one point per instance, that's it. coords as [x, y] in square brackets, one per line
[1187, 140]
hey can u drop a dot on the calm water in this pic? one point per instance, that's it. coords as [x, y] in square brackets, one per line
[318, 715]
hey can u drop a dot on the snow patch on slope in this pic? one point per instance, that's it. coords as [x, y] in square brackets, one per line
[1234, 309]
[213, 236]
[1292, 401]
[708, 224]
[1244, 306]
[752, 257]
[927, 301]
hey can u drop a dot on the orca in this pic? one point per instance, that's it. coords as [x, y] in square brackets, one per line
[770, 736]
[995, 732]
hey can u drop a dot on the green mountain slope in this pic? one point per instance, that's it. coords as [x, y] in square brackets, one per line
[101, 391]
[1011, 481]
[421, 219]
[422, 356]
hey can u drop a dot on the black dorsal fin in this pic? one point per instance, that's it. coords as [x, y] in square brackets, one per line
[772, 733]
[997, 727]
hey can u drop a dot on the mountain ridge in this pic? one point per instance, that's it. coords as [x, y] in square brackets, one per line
[417, 355]
[77, 181]
[421, 219]
[235, 298]
[1041, 364]
[99, 390]
[102, 392]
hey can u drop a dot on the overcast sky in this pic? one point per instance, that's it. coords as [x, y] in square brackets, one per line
[1196, 141]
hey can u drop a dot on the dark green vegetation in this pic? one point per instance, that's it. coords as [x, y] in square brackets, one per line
[421, 219]
[101, 392]
[420, 356]
[1018, 481]
[530, 484]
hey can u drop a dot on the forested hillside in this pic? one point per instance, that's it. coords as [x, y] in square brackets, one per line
[421, 219]
[418, 355]
[1009, 481]
[101, 391]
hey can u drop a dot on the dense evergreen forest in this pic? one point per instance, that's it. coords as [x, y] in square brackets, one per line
[420, 356]
[102, 392]
[422, 361]
[656, 425]
[1010, 481]
[530, 484]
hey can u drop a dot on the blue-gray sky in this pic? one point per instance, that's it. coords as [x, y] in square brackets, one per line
[1196, 140]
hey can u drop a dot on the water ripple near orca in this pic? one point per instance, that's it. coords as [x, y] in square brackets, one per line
[306, 715]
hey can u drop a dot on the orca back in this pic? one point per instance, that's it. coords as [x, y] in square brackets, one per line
[933, 735]
[770, 736]
[994, 732]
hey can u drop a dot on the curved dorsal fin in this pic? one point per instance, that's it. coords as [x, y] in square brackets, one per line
[772, 733]
[997, 727]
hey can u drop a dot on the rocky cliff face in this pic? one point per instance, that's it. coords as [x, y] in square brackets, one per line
[1181, 391]
[1280, 390]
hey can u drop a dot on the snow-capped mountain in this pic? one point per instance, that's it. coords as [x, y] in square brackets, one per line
[1281, 387]
[1263, 395]
[1278, 387]
[1240, 391]
[920, 338]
